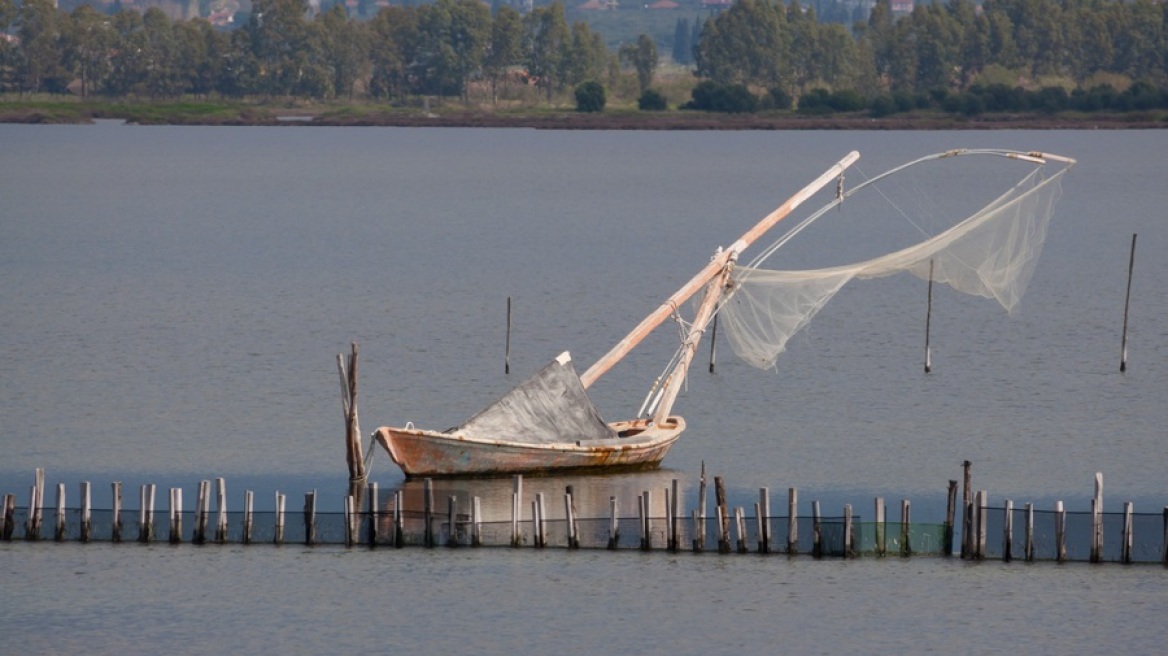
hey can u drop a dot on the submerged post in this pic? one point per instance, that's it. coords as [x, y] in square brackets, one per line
[1131, 263]
[310, 518]
[86, 511]
[9, 517]
[614, 521]
[1029, 533]
[1126, 548]
[1008, 533]
[221, 509]
[280, 502]
[248, 508]
[700, 533]
[516, 501]
[967, 513]
[59, 531]
[116, 516]
[1060, 532]
[398, 528]
[374, 517]
[905, 528]
[792, 521]
[675, 511]
[428, 512]
[175, 515]
[723, 516]
[476, 527]
[201, 504]
[816, 531]
[452, 521]
[848, 536]
[1097, 520]
[570, 515]
[950, 515]
[881, 539]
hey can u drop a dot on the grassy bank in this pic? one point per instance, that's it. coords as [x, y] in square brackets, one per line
[453, 115]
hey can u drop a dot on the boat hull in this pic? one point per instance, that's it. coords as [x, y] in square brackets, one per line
[430, 453]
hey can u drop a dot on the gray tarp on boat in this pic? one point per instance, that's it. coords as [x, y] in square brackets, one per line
[550, 407]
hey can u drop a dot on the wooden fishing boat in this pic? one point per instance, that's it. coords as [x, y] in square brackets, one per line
[548, 423]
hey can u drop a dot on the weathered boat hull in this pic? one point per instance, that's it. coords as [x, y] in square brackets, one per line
[430, 453]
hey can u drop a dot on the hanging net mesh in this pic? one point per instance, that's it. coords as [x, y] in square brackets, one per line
[987, 251]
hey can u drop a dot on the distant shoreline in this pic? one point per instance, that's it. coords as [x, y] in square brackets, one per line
[543, 119]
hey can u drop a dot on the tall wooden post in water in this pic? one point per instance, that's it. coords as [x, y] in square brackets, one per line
[353, 455]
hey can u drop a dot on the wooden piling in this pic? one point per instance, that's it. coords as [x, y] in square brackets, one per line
[280, 503]
[202, 501]
[350, 512]
[221, 508]
[373, 519]
[1131, 263]
[614, 524]
[399, 536]
[86, 511]
[675, 512]
[1029, 533]
[310, 518]
[643, 516]
[116, 515]
[32, 531]
[697, 545]
[740, 529]
[816, 531]
[967, 512]
[353, 454]
[1125, 555]
[570, 517]
[144, 523]
[849, 537]
[792, 521]
[59, 530]
[1008, 533]
[881, 536]
[150, 495]
[9, 518]
[928, 321]
[764, 500]
[248, 517]
[36, 509]
[428, 512]
[950, 516]
[982, 503]
[905, 528]
[516, 501]
[723, 516]
[539, 500]
[452, 521]
[1164, 549]
[1097, 520]
[507, 350]
[1060, 532]
[175, 513]
[476, 522]
[759, 521]
[700, 539]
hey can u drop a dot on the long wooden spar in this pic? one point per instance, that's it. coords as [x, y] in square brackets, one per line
[716, 266]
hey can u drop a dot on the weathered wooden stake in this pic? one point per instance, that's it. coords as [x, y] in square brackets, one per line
[428, 512]
[59, 531]
[816, 531]
[9, 519]
[713, 343]
[202, 502]
[1164, 554]
[967, 512]
[221, 508]
[697, 546]
[764, 499]
[516, 501]
[542, 520]
[32, 531]
[881, 539]
[700, 532]
[1060, 532]
[1131, 263]
[350, 511]
[676, 510]
[1029, 533]
[792, 521]
[248, 517]
[668, 522]
[507, 352]
[1008, 533]
[399, 537]
[175, 515]
[476, 522]
[353, 455]
[570, 515]
[37, 510]
[452, 521]
[848, 535]
[643, 516]
[116, 516]
[1097, 520]
[905, 528]
[280, 503]
[86, 511]
[759, 521]
[1128, 540]
[150, 493]
[740, 529]
[723, 516]
[928, 322]
[982, 503]
[374, 512]
[310, 518]
[950, 516]
[614, 524]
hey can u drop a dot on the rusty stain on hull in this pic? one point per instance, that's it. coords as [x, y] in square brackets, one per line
[642, 445]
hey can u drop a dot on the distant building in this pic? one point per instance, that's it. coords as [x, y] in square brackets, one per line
[902, 6]
[663, 4]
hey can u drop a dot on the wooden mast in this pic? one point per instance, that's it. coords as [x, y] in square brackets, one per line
[717, 265]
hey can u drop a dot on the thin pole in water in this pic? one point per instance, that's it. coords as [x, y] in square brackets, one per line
[928, 321]
[507, 353]
[713, 343]
[1131, 263]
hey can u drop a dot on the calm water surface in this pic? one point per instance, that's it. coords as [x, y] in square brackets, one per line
[173, 299]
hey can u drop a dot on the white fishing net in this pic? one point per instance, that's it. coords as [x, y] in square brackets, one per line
[991, 252]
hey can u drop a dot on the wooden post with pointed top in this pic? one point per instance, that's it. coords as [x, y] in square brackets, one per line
[353, 452]
[1131, 263]
[723, 516]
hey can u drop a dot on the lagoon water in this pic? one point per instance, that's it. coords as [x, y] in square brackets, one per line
[173, 299]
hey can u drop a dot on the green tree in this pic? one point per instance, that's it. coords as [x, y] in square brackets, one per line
[345, 50]
[39, 28]
[278, 34]
[127, 62]
[746, 44]
[642, 56]
[545, 42]
[394, 42]
[586, 57]
[87, 50]
[590, 97]
[505, 48]
[160, 55]
[682, 45]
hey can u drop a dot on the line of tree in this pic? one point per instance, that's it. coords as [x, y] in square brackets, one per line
[779, 51]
